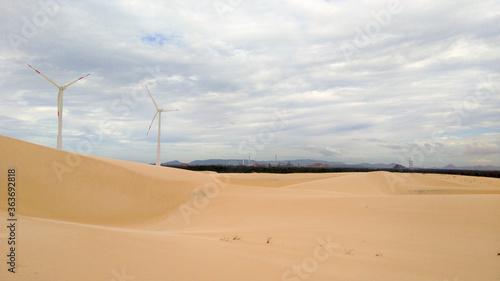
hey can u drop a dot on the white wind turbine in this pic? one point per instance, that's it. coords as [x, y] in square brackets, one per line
[59, 103]
[158, 111]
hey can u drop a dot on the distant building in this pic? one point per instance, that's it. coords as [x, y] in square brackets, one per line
[399, 167]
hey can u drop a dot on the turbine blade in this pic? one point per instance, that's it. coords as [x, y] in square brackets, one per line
[50, 80]
[152, 122]
[166, 110]
[70, 83]
[151, 97]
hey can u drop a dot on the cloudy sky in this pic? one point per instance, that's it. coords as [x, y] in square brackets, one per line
[350, 81]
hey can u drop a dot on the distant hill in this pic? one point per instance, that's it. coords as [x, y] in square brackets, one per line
[475, 168]
[305, 162]
[375, 166]
[223, 162]
[172, 163]
[296, 162]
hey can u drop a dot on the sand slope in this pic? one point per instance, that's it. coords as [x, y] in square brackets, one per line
[66, 186]
[89, 218]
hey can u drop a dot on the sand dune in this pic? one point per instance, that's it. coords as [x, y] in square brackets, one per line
[66, 186]
[90, 218]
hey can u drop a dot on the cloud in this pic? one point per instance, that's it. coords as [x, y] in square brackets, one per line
[428, 68]
[483, 149]
[481, 161]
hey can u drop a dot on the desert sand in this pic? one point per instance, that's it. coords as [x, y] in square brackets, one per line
[89, 218]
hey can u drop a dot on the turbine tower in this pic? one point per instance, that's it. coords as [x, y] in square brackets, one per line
[59, 103]
[158, 111]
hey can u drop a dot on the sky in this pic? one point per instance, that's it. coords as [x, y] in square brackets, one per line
[347, 81]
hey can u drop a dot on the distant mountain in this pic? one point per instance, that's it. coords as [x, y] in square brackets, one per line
[375, 166]
[172, 163]
[297, 162]
[237, 162]
[475, 168]
[305, 162]
[223, 162]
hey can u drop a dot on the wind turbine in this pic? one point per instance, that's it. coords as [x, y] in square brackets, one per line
[59, 103]
[158, 111]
